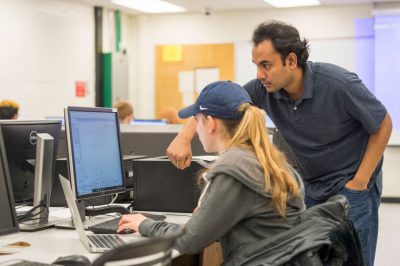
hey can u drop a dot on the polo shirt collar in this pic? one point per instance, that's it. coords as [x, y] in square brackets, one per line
[308, 85]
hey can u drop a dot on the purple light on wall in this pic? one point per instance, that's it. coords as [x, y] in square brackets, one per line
[387, 67]
[364, 51]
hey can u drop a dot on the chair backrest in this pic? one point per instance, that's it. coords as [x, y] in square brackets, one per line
[151, 251]
[323, 235]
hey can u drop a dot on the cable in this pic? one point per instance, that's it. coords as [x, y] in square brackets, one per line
[113, 200]
[29, 216]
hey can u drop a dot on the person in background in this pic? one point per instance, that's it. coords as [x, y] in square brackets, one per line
[125, 111]
[241, 203]
[169, 114]
[9, 109]
[335, 127]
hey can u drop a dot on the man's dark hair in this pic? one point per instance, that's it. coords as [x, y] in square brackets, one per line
[7, 112]
[285, 39]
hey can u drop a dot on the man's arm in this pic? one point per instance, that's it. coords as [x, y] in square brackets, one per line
[376, 146]
[180, 150]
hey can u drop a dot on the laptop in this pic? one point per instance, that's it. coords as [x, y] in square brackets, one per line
[95, 243]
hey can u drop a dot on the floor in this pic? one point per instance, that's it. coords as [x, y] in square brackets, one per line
[389, 235]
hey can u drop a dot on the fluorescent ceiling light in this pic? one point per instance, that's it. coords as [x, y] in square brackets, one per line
[292, 3]
[149, 6]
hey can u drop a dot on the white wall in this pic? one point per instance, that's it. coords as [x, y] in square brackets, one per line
[321, 25]
[45, 47]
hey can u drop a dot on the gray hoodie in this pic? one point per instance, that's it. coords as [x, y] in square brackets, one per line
[235, 209]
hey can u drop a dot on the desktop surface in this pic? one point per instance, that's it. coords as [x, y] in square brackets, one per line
[46, 246]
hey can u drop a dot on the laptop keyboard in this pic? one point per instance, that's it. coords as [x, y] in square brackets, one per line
[106, 241]
[111, 226]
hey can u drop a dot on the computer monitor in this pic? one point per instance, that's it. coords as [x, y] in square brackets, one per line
[149, 122]
[8, 218]
[160, 186]
[30, 149]
[153, 141]
[55, 118]
[94, 152]
[20, 143]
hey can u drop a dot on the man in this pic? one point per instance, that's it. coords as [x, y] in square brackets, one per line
[335, 127]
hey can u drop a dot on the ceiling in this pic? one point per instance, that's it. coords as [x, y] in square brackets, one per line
[231, 5]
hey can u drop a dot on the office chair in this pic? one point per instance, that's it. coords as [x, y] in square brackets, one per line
[323, 235]
[152, 251]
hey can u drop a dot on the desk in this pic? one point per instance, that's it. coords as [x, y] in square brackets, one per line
[48, 245]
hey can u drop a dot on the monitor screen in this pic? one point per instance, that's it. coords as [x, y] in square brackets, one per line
[8, 218]
[20, 148]
[94, 153]
[149, 122]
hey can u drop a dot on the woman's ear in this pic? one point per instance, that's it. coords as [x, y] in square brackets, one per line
[211, 124]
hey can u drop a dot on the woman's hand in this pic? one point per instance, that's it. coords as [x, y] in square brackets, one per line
[130, 221]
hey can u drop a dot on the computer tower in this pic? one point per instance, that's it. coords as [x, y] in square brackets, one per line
[160, 186]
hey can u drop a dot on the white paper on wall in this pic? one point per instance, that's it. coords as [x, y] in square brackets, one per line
[186, 81]
[187, 98]
[205, 76]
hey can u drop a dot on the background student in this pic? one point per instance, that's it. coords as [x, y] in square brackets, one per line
[9, 109]
[125, 112]
[240, 204]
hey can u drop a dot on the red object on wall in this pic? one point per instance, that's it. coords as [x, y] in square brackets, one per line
[80, 88]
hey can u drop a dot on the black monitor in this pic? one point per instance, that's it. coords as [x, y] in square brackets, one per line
[30, 149]
[153, 141]
[160, 186]
[20, 139]
[94, 152]
[8, 218]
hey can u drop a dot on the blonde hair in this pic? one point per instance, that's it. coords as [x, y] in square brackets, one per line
[251, 132]
[124, 109]
[9, 103]
[170, 114]
[8, 109]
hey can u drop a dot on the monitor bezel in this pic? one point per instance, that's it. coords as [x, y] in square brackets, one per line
[70, 153]
[10, 195]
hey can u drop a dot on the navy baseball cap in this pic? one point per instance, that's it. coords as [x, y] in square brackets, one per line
[220, 99]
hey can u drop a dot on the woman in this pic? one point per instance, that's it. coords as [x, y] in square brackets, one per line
[250, 192]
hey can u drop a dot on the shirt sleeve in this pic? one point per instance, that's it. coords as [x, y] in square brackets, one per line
[225, 203]
[363, 106]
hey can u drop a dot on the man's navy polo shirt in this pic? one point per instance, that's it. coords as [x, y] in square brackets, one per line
[327, 128]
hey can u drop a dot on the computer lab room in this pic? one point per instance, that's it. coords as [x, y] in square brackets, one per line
[212, 132]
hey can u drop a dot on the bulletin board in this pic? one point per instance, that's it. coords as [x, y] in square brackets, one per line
[188, 58]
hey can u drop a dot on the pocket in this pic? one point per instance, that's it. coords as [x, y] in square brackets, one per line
[348, 190]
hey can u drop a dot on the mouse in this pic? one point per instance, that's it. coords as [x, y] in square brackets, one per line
[73, 260]
[127, 231]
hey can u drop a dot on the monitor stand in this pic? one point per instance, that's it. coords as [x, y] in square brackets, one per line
[43, 181]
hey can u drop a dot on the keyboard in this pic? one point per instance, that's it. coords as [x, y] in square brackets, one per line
[111, 226]
[106, 241]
